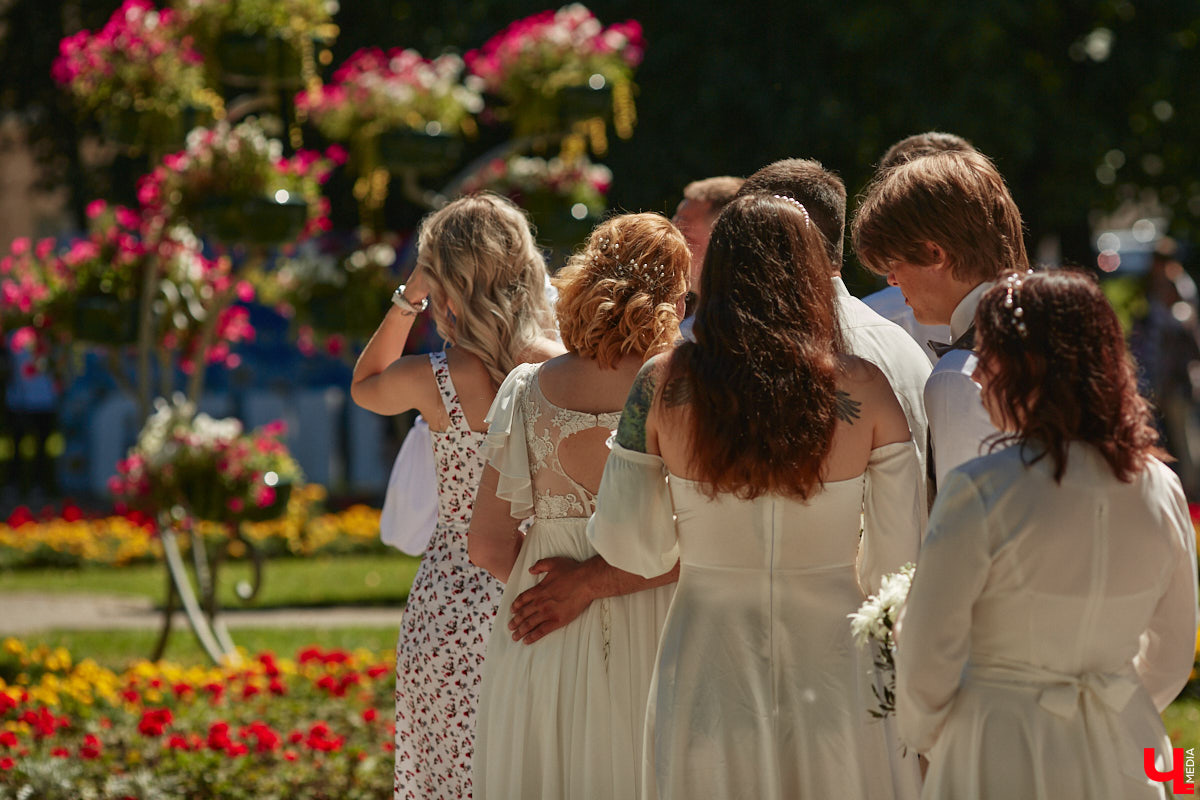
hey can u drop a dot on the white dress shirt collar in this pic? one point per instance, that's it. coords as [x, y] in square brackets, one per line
[964, 312]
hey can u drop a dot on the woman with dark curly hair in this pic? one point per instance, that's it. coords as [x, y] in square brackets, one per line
[1053, 612]
[562, 718]
[756, 455]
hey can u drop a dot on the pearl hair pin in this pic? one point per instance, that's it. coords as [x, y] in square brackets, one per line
[1012, 301]
[797, 204]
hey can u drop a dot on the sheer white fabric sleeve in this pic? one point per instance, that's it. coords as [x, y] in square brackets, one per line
[633, 527]
[1167, 650]
[505, 447]
[893, 513]
[410, 506]
[958, 422]
[934, 633]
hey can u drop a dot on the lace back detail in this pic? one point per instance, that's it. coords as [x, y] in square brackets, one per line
[555, 493]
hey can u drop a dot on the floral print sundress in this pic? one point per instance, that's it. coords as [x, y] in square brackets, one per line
[447, 622]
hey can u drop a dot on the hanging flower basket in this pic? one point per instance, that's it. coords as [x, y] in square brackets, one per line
[212, 467]
[105, 320]
[346, 310]
[257, 220]
[137, 130]
[578, 103]
[257, 58]
[403, 149]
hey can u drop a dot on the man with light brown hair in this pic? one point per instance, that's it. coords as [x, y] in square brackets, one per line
[889, 301]
[942, 228]
[697, 211]
[867, 334]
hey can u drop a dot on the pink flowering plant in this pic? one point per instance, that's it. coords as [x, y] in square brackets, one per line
[30, 279]
[209, 467]
[398, 89]
[228, 163]
[89, 290]
[533, 59]
[141, 61]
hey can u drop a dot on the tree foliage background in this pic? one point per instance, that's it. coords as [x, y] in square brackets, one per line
[1084, 104]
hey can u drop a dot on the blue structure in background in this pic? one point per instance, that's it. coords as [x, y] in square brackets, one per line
[336, 443]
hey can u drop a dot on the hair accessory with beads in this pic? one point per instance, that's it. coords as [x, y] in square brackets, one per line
[1012, 301]
[797, 204]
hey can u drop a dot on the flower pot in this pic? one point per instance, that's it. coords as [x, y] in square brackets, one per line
[404, 149]
[256, 220]
[138, 130]
[205, 497]
[274, 510]
[255, 58]
[352, 310]
[104, 319]
[555, 226]
[577, 103]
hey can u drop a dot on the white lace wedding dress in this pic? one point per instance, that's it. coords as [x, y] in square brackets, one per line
[561, 718]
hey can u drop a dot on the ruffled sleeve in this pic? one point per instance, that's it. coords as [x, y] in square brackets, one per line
[633, 527]
[893, 513]
[505, 448]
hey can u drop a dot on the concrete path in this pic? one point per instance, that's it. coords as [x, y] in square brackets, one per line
[33, 612]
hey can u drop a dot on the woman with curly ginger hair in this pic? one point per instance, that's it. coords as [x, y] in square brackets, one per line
[563, 717]
[1053, 612]
[781, 474]
[481, 276]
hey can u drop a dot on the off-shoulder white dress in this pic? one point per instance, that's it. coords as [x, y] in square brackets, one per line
[759, 691]
[560, 718]
[1046, 627]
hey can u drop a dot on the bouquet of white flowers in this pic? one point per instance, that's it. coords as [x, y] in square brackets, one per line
[875, 621]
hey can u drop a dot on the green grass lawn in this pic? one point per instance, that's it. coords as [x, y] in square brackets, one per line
[117, 649]
[371, 580]
[1182, 719]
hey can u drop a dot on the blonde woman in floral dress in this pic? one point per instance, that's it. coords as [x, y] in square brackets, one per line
[564, 692]
[481, 276]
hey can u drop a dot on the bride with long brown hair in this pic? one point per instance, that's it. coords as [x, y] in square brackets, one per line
[751, 455]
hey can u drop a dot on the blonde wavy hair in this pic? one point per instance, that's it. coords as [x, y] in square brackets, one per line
[486, 280]
[619, 296]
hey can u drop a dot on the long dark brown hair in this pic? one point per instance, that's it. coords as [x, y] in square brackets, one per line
[1057, 365]
[762, 370]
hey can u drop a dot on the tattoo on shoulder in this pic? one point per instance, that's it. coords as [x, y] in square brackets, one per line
[847, 407]
[677, 392]
[631, 430]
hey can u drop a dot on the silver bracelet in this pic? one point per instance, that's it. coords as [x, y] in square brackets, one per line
[401, 302]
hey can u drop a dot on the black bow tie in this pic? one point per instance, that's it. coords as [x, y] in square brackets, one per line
[964, 342]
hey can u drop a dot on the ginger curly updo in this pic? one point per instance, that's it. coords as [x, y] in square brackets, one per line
[620, 294]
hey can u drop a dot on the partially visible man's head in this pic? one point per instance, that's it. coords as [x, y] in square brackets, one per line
[922, 144]
[821, 191]
[951, 206]
[702, 201]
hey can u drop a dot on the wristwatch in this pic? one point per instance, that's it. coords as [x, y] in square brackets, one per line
[401, 302]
